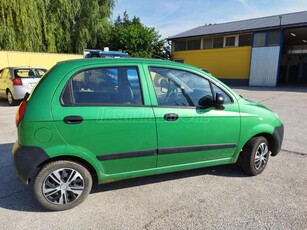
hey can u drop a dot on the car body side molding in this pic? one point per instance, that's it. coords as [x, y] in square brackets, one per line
[196, 148]
[116, 156]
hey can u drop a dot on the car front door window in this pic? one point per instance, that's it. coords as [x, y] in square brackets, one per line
[178, 87]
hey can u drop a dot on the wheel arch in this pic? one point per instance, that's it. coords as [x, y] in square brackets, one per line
[75, 159]
[268, 136]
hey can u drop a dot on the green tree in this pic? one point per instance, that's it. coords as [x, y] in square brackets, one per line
[66, 26]
[91, 24]
[19, 27]
[131, 36]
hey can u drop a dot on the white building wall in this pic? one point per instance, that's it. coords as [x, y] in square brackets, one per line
[264, 66]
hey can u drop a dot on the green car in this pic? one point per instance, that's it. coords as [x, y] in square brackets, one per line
[103, 120]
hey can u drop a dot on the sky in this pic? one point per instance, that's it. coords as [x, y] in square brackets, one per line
[171, 17]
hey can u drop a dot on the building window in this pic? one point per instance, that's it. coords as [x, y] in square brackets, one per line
[259, 39]
[180, 45]
[270, 38]
[245, 40]
[218, 42]
[193, 44]
[207, 43]
[230, 41]
[273, 38]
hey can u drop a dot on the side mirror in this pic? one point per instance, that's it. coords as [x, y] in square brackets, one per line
[219, 100]
[206, 101]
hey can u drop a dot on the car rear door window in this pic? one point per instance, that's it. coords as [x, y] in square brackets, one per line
[108, 85]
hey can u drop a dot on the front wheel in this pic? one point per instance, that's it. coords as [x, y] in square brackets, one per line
[255, 155]
[62, 185]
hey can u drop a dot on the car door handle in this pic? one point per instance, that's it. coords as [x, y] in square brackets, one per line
[72, 120]
[171, 117]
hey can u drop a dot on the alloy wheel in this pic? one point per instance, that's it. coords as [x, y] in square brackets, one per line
[10, 98]
[63, 186]
[261, 156]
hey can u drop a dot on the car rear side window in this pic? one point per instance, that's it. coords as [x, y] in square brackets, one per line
[106, 86]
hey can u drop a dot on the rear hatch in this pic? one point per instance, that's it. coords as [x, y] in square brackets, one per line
[29, 76]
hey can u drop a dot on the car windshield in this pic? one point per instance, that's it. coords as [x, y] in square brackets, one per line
[29, 72]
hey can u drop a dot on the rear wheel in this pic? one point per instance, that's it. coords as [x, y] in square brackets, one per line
[255, 155]
[62, 185]
[10, 98]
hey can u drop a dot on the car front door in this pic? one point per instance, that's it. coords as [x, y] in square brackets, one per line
[187, 132]
[104, 112]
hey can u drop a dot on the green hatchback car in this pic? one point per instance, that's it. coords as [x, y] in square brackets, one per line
[103, 120]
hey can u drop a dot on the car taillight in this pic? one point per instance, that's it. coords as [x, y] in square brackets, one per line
[17, 81]
[20, 112]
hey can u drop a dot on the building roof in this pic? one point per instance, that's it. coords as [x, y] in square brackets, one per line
[270, 22]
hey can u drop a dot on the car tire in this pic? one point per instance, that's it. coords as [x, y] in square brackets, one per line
[10, 98]
[255, 155]
[62, 185]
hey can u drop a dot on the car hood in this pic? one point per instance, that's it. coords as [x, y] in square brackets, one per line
[254, 108]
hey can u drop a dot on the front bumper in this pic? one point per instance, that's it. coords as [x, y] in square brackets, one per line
[278, 136]
[26, 159]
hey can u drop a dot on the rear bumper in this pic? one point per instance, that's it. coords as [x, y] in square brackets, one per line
[19, 92]
[26, 160]
[278, 136]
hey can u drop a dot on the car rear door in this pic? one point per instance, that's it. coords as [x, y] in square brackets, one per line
[188, 133]
[104, 111]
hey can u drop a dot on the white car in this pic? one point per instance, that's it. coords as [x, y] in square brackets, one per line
[15, 82]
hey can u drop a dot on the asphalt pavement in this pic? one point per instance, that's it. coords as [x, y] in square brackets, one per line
[221, 197]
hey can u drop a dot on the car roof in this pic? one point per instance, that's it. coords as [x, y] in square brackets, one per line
[123, 61]
[24, 67]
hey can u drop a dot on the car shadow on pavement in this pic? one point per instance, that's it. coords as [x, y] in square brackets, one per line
[4, 103]
[14, 195]
[232, 170]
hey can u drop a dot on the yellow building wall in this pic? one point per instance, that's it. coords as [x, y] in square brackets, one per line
[46, 60]
[227, 63]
